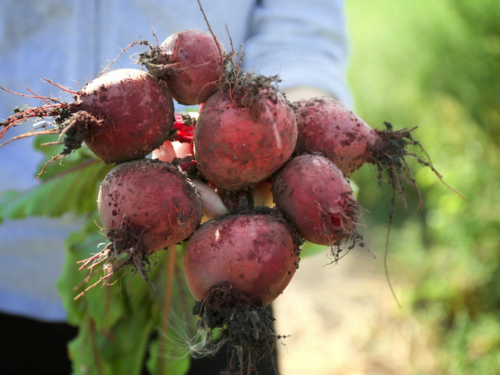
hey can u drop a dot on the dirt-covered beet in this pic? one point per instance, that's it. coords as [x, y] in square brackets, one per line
[234, 266]
[136, 114]
[255, 253]
[236, 146]
[152, 199]
[121, 115]
[190, 62]
[328, 127]
[315, 196]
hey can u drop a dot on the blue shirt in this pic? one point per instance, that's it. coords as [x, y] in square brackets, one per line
[70, 41]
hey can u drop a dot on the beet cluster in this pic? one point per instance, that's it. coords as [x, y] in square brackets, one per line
[247, 139]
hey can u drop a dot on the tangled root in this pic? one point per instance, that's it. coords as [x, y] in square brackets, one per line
[390, 157]
[245, 327]
[126, 249]
[69, 123]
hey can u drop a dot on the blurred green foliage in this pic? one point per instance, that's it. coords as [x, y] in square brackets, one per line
[436, 65]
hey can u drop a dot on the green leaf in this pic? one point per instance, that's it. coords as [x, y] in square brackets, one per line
[73, 191]
[116, 322]
[56, 167]
[113, 335]
[124, 351]
[79, 245]
[310, 249]
[103, 304]
[172, 347]
[120, 351]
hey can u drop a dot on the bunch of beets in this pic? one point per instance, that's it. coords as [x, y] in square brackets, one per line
[248, 139]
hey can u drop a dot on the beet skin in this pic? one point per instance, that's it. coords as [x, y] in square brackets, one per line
[235, 148]
[150, 201]
[254, 253]
[191, 63]
[135, 113]
[315, 196]
[327, 127]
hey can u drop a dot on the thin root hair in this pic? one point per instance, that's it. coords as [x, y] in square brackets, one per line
[181, 344]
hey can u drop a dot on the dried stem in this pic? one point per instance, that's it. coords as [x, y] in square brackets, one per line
[30, 134]
[211, 32]
[141, 42]
[58, 156]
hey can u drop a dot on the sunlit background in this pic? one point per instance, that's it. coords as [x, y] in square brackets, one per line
[431, 64]
[435, 65]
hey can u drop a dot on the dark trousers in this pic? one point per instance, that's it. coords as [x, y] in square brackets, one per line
[31, 347]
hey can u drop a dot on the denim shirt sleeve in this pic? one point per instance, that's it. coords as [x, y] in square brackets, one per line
[304, 41]
[70, 41]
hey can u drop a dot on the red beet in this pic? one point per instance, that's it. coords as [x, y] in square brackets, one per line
[330, 129]
[122, 115]
[191, 63]
[234, 266]
[145, 206]
[151, 198]
[255, 253]
[236, 146]
[327, 127]
[315, 196]
[136, 114]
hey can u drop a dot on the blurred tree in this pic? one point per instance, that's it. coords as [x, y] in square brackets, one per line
[436, 65]
[469, 63]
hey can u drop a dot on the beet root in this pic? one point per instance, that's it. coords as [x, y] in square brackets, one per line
[236, 147]
[315, 196]
[255, 253]
[122, 115]
[330, 129]
[145, 206]
[234, 266]
[135, 114]
[154, 196]
[190, 62]
[327, 127]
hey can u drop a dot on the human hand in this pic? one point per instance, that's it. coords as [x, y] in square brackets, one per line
[303, 92]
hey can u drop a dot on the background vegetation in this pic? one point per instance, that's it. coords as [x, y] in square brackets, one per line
[436, 65]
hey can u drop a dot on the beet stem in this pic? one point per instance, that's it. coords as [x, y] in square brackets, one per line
[65, 89]
[166, 306]
[30, 134]
[211, 32]
[95, 348]
[141, 42]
